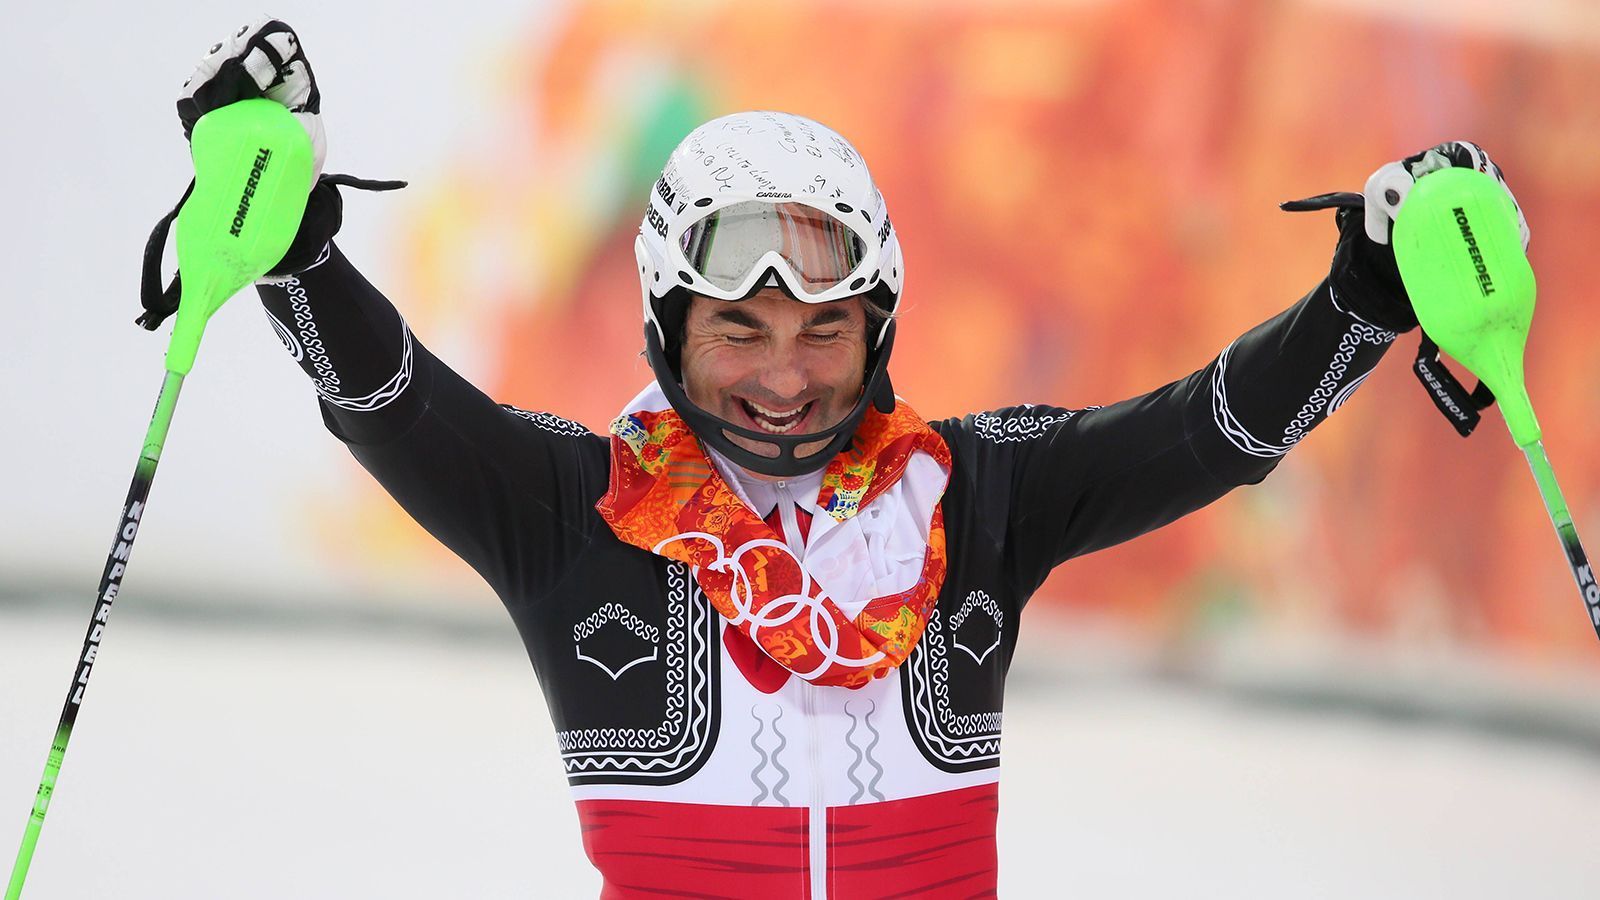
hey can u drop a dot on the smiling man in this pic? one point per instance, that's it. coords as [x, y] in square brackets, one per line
[773, 610]
[772, 364]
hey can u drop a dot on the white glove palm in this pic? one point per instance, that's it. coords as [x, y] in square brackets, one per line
[261, 59]
[1386, 190]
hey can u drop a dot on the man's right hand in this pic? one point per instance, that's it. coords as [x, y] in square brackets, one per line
[261, 59]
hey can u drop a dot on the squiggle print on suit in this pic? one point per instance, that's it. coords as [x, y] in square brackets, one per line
[766, 760]
[864, 756]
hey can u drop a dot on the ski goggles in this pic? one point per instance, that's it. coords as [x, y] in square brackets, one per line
[818, 256]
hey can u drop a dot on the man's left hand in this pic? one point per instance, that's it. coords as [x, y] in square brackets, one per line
[1365, 277]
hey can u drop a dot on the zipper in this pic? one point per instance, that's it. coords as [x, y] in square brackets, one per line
[817, 807]
[791, 525]
[817, 814]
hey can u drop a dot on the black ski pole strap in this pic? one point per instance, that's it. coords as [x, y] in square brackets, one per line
[160, 304]
[362, 184]
[1335, 200]
[1455, 403]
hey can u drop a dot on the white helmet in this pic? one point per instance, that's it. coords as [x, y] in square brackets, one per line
[759, 199]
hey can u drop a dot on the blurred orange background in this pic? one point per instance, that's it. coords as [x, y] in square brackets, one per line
[1086, 194]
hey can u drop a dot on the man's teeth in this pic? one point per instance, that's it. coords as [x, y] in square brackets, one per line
[774, 421]
[774, 413]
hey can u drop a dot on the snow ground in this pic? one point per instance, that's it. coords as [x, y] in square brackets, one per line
[267, 761]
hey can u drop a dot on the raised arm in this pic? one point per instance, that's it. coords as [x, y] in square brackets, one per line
[502, 488]
[510, 492]
[1081, 480]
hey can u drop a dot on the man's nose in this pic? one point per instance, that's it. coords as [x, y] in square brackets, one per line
[783, 375]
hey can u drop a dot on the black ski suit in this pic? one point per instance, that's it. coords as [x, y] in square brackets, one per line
[694, 771]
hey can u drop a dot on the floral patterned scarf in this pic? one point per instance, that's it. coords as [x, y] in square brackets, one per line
[666, 497]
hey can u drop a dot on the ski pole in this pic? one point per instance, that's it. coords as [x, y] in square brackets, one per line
[1460, 252]
[252, 171]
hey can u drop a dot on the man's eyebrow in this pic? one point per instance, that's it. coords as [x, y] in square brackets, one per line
[828, 316]
[733, 315]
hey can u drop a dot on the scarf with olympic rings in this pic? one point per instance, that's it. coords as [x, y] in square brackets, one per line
[666, 497]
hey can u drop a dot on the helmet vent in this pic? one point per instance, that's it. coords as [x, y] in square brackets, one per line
[844, 207]
[856, 285]
[685, 277]
[703, 201]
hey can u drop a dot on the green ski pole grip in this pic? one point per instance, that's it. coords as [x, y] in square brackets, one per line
[1459, 247]
[252, 176]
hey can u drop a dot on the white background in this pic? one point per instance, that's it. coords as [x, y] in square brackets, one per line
[93, 156]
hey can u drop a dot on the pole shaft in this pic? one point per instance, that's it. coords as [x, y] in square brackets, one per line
[110, 583]
[1556, 505]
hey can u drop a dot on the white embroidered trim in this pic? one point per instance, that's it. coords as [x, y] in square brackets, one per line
[1327, 393]
[977, 600]
[1334, 298]
[290, 342]
[685, 731]
[1024, 425]
[304, 342]
[1326, 388]
[952, 738]
[550, 422]
[616, 612]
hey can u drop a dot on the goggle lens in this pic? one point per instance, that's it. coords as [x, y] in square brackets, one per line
[820, 251]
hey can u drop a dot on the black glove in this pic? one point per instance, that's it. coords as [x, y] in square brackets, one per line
[1364, 273]
[1367, 280]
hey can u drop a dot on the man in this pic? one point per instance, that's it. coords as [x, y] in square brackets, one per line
[772, 612]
